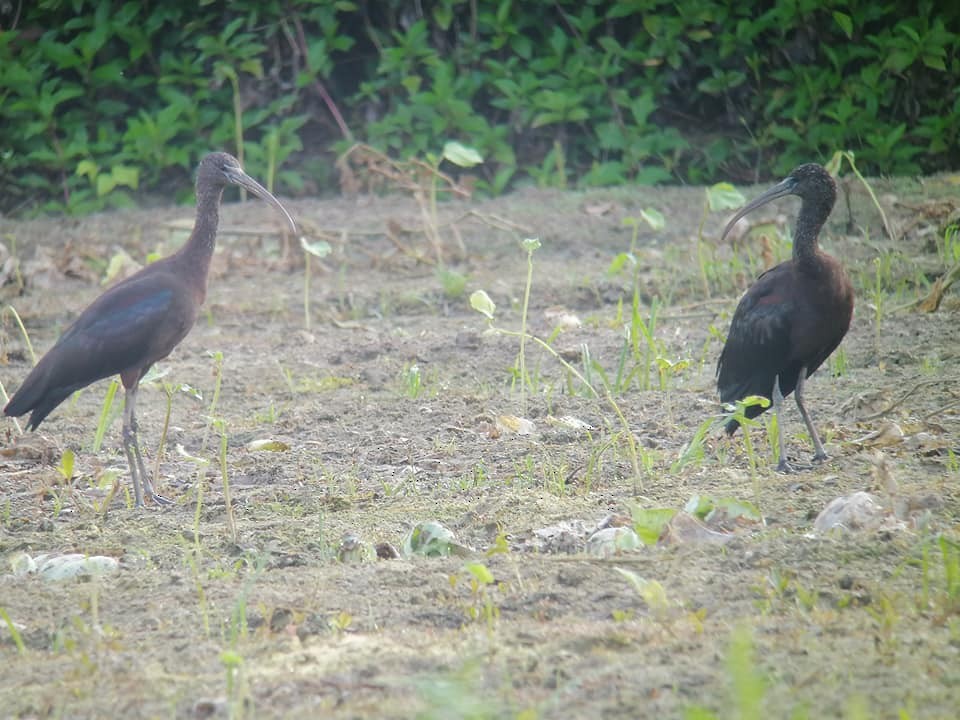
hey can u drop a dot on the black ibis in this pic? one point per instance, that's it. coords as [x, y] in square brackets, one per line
[137, 321]
[793, 316]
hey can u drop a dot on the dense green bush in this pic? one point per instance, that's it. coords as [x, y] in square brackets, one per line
[100, 98]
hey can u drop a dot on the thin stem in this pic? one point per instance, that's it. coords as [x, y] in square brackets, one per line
[169, 390]
[105, 414]
[6, 399]
[238, 125]
[227, 499]
[876, 203]
[23, 331]
[306, 290]
[700, 251]
[319, 87]
[218, 371]
[523, 337]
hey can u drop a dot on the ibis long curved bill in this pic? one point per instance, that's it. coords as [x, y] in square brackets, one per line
[238, 177]
[781, 189]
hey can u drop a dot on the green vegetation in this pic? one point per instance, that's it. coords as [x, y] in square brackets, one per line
[103, 100]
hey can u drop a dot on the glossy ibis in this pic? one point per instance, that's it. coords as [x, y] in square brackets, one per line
[793, 316]
[137, 321]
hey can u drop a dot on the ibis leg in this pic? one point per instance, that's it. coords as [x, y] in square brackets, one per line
[142, 485]
[783, 466]
[819, 453]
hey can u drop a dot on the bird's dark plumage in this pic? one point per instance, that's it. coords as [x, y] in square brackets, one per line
[137, 321]
[795, 315]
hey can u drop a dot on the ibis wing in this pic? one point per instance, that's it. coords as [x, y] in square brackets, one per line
[129, 327]
[758, 344]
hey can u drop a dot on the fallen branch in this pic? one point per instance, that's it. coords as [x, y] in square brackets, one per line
[907, 393]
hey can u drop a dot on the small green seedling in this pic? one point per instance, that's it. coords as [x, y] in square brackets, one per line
[317, 249]
[461, 156]
[221, 426]
[693, 451]
[481, 583]
[530, 245]
[412, 381]
[14, 632]
[217, 357]
[65, 468]
[454, 283]
[651, 592]
[738, 412]
[107, 415]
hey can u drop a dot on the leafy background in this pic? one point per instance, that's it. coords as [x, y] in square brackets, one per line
[106, 103]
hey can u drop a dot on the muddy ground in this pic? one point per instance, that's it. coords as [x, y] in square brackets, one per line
[396, 407]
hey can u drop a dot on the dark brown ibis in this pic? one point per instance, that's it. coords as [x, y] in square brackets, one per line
[137, 321]
[793, 316]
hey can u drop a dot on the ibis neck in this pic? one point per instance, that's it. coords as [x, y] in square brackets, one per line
[809, 224]
[199, 248]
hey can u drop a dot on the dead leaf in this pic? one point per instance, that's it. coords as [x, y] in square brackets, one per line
[886, 435]
[267, 445]
[860, 511]
[569, 421]
[766, 251]
[515, 425]
[883, 474]
[685, 529]
[32, 448]
[597, 209]
[931, 303]
[559, 316]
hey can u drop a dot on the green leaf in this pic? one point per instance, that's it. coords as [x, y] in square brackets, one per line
[231, 659]
[734, 509]
[899, 60]
[318, 58]
[620, 261]
[530, 244]
[752, 400]
[126, 175]
[461, 154]
[703, 506]
[87, 168]
[650, 591]
[651, 175]
[724, 196]
[654, 218]
[430, 539]
[699, 506]
[650, 522]
[481, 572]
[481, 302]
[105, 183]
[191, 391]
[443, 16]
[320, 248]
[845, 23]
[66, 464]
[252, 67]
[909, 32]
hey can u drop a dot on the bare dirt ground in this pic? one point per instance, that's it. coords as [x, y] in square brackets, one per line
[395, 408]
